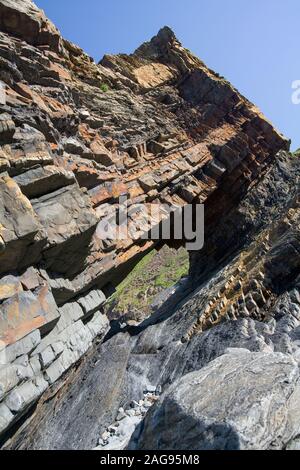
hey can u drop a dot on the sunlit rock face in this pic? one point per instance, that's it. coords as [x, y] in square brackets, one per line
[155, 127]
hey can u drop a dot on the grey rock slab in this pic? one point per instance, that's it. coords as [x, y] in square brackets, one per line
[6, 417]
[90, 404]
[92, 301]
[19, 224]
[24, 395]
[11, 376]
[23, 346]
[42, 180]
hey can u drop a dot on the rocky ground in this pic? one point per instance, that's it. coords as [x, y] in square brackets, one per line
[218, 359]
[118, 435]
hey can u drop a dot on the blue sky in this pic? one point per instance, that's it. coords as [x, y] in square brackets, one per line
[253, 43]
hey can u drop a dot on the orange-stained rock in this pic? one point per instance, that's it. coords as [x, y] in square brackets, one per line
[100, 153]
[9, 285]
[86, 133]
[26, 311]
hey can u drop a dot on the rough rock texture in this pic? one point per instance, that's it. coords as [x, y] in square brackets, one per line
[157, 127]
[237, 306]
[241, 400]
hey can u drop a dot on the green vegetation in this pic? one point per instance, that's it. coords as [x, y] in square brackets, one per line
[104, 87]
[297, 153]
[156, 272]
[175, 268]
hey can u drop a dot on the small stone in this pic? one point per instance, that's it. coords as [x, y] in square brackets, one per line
[134, 404]
[105, 436]
[113, 429]
[121, 415]
[147, 404]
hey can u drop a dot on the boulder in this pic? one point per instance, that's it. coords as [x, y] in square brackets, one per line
[73, 146]
[92, 302]
[23, 19]
[69, 221]
[26, 394]
[7, 128]
[6, 417]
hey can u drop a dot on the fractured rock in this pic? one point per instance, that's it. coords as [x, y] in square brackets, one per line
[19, 225]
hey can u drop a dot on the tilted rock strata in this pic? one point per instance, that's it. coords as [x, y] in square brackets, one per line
[242, 302]
[123, 367]
[164, 129]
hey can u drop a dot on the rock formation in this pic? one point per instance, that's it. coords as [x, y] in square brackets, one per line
[155, 127]
[260, 408]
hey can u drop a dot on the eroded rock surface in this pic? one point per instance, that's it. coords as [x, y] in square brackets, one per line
[241, 400]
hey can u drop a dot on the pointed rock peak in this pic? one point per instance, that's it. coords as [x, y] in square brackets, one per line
[159, 44]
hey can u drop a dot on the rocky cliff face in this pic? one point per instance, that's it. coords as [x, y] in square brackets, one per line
[154, 127]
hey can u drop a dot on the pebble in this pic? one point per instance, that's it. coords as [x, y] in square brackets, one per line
[121, 414]
[147, 404]
[121, 431]
[113, 429]
[105, 435]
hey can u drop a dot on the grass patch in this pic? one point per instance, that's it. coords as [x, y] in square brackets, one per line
[104, 87]
[156, 272]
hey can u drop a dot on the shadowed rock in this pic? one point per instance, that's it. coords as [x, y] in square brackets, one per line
[156, 126]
